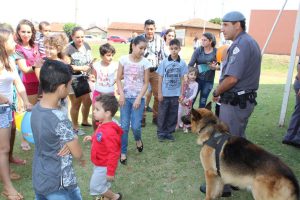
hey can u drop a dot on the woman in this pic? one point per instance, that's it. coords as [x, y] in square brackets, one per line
[168, 36]
[80, 56]
[27, 56]
[8, 77]
[204, 58]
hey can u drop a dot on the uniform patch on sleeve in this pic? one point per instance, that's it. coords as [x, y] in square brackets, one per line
[236, 50]
[99, 136]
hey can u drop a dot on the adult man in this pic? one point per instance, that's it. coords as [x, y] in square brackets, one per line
[239, 79]
[292, 136]
[240, 75]
[153, 54]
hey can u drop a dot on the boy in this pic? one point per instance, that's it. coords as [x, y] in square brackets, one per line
[56, 144]
[44, 30]
[106, 147]
[171, 72]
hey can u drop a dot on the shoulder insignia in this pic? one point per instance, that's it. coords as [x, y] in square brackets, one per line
[236, 50]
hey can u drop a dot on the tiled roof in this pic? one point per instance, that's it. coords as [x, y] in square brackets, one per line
[198, 23]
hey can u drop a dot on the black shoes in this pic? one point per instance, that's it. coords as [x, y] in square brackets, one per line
[140, 149]
[291, 143]
[123, 161]
[226, 190]
[120, 196]
[149, 109]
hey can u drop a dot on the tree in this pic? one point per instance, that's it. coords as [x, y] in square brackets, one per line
[216, 20]
[68, 28]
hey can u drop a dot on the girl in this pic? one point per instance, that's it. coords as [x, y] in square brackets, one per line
[54, 50]
[8, 77]
[80, 57]
[105, 73]
[189, 92]
[135, 70]
[204, 58]
[27, 56]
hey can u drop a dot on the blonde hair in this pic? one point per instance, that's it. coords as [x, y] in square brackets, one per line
[4, 57]
[59, 41]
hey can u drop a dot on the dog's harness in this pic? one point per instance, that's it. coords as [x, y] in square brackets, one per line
[216, 141]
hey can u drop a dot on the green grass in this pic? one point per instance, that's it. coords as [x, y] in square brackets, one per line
[173, 170]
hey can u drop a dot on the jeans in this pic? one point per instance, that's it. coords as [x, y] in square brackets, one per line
[133, 117]
[5, 116]
[64, 194]
[204, 87]
[167, 116]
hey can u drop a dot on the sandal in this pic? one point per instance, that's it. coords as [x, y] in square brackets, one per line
[123, 161]
[120, 196]
[17, 161]
[14, 176]
[25, 147]
[16, 196]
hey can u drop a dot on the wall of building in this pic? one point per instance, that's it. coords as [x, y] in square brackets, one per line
[261, 23]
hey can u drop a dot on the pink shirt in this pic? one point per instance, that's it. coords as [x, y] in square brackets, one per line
[30, 55]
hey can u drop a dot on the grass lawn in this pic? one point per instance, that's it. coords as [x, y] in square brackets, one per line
[172, 170]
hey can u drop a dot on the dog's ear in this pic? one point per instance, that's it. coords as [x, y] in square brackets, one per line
[208, 106]
[195, 115]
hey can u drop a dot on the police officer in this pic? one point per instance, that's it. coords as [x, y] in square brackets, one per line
[239, 79]
[240, 75]
[292, 136]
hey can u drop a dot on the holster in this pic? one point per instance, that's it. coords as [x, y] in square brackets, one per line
[239, 98]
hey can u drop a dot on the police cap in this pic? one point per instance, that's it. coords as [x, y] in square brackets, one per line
[233, 16]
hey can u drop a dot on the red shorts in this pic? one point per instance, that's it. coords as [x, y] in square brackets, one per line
[31, 88]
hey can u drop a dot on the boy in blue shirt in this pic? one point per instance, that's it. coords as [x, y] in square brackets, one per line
[171, 71]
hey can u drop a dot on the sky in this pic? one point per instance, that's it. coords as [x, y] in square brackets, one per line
[102, 13]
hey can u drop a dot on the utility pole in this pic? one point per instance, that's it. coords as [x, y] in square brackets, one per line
[76, 11]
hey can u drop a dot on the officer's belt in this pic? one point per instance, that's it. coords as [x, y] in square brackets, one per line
[239, 98]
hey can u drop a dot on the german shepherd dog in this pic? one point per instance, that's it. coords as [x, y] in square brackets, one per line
[228, 159]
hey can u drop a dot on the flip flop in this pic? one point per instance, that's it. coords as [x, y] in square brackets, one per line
[16, 196]
[25, 147]
[17, 161]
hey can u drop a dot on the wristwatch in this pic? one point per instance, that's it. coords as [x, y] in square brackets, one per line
[215, 93]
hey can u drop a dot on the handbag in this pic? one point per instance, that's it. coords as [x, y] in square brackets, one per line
[80, 85]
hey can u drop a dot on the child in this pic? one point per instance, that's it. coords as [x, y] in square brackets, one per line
[170, 71]
[56, 144]
[9, 77]
[189, 92]
[135, 70]
[105, 73]
[54, 50]
[106, 147]
[26, 57]
[44, 28]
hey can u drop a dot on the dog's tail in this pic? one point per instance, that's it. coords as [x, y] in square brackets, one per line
[290, 176]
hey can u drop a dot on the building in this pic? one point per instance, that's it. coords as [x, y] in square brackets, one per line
[96, 31]
[124, 29]
[261, 23]
[186, 31]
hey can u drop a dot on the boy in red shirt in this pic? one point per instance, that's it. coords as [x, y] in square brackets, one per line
[106, 147]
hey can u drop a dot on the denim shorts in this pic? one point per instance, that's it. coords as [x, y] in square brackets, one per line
[99, 183]
[5, 116]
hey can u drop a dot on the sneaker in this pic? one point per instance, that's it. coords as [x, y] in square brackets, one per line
[149, 109]
[170, 137]
[79, 132]
[226, 190]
